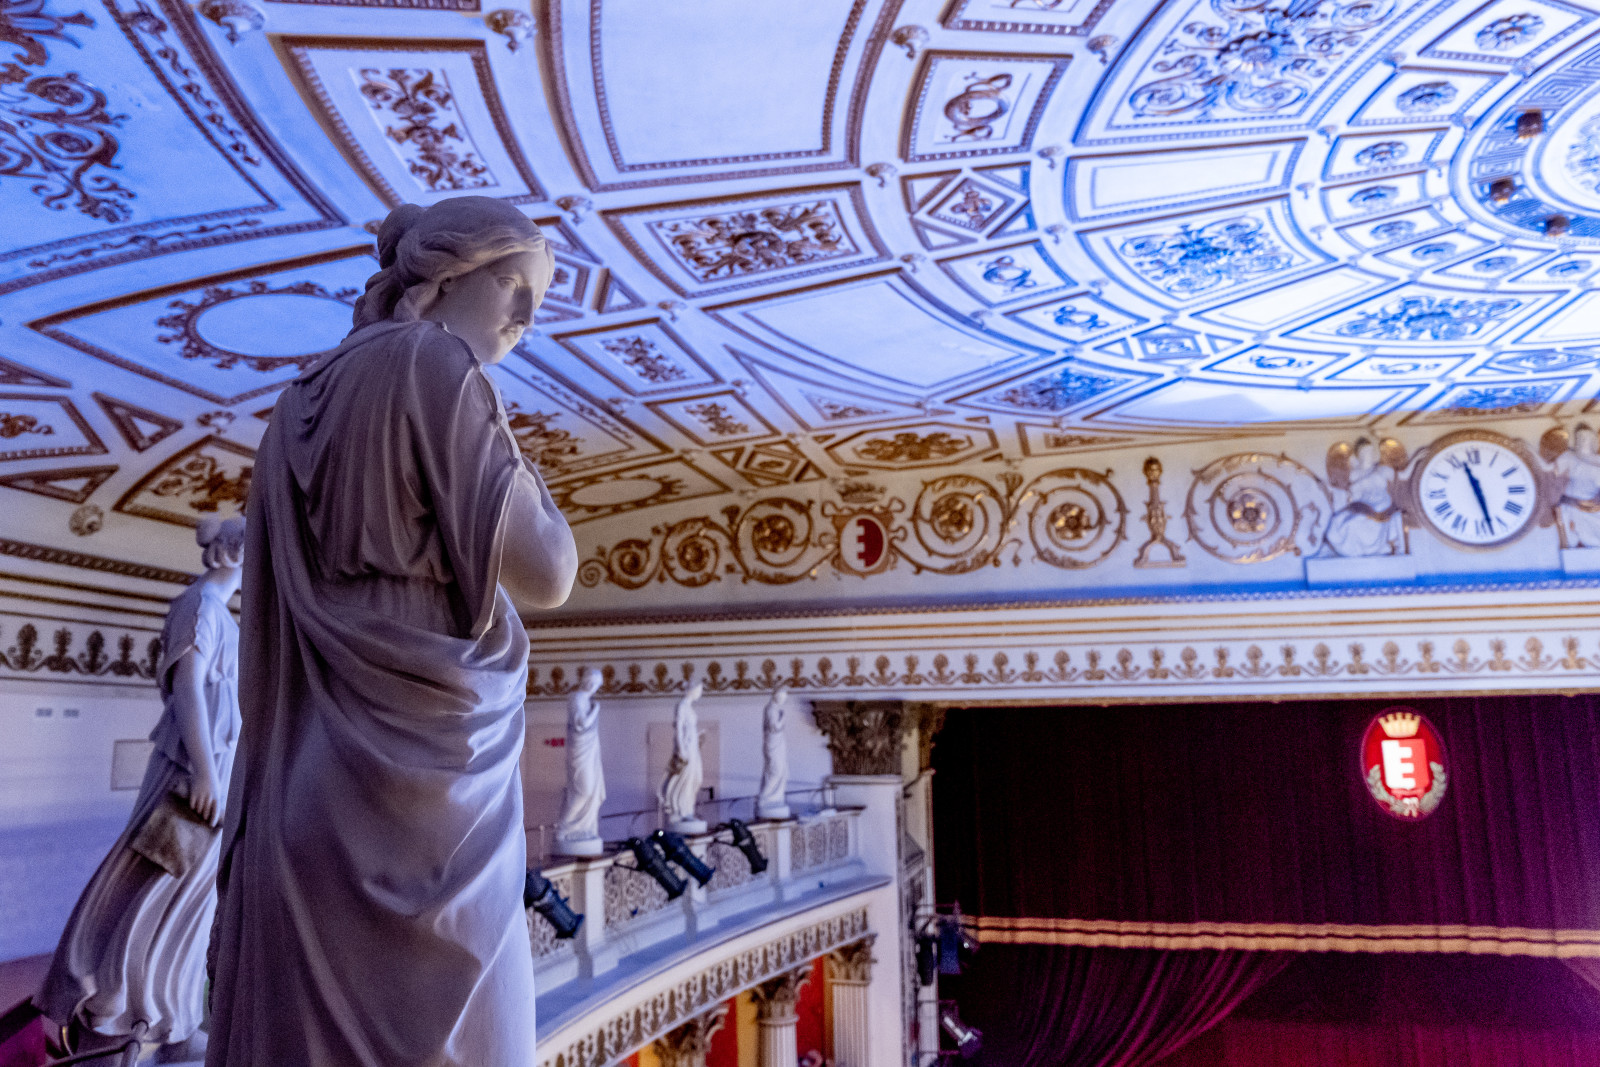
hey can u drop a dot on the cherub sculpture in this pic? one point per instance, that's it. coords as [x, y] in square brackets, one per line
[681, 788]
[578, 832]
[1576, 459]
[1370, 523]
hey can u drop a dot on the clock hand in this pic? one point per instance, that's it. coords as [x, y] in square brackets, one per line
[1477, 491]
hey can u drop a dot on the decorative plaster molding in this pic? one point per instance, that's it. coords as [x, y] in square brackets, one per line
[1200, 650]
[863, 736]
[25, 654]
[609, 1038]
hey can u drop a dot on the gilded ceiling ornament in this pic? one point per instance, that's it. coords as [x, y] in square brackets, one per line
[86, 519]
[980, 104]
[15, 425]
[912, 38]
[514, 26]
[741, 243]
[883, 172]
[202, 484]
[55, 129]
[1188, 261]
[1260, 60]
[576, 207]
[1056, 391]
[1427, 97]
[1101, 46]
[1251, 507]
[1075, 517]
[182, 323]
[237, 17]
[910, 447]
[641, 355]
[717, 420]
[416, 110]
[1382, 153]
[545, 446]
[1506, 33]
[1429, 318]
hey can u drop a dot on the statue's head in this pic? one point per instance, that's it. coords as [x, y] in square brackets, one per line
[1585, 441]
[1365, 455]
[473, 264]
[221, 542]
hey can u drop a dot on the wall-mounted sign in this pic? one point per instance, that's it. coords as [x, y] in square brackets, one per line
[1402, 762]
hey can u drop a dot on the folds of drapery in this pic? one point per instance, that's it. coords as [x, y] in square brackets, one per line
[1096, 1007]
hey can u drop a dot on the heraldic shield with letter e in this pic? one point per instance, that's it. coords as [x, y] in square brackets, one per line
[1403, 764]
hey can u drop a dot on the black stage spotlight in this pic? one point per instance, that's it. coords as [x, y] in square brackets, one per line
[955, 944]
[677, 850]
[647, 859]
[927, 958]
[745, 842]
[968, 1039]
[541, 896]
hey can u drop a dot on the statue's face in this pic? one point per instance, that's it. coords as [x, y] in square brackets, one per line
[1366, 457]
[490, 307]
[1585, 441]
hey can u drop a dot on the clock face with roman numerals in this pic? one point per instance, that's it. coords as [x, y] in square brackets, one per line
[1476, 490]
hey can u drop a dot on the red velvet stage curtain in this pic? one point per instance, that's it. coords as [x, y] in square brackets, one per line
[1408, 1010]
[1104, 1007]
[1258, 814]
[1075, 829]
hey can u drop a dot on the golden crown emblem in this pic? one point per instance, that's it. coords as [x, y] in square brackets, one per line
[1401, 723]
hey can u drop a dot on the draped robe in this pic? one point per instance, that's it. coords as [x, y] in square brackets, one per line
[371, 883]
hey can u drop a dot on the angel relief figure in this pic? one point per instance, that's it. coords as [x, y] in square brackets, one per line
[1576, 459]
[1370, 523]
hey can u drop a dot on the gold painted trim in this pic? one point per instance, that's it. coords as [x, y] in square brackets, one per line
[1291, 937]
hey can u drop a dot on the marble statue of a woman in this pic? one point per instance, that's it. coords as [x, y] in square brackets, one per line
[134, 950]
[1578, 510]
[770, 803]
[681, 788]
[373, 854]
[578, 832]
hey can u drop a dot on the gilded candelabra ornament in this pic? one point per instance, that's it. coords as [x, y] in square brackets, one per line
[1167, 553]
[1251, 507]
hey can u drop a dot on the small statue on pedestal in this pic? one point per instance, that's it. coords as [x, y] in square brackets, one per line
[1370, 523]
[578, 832]
[774, 759]
[134, 952]
[681, 788]
[1577, 463]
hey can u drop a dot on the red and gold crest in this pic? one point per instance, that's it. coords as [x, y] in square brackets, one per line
[1403, 764]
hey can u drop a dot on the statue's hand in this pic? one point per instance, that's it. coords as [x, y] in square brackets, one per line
[203, 797]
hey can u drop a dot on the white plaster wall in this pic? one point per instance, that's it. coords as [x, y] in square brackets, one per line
[58, 812]
[631, 781]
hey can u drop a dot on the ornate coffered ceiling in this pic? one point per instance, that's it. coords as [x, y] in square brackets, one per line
[836, 254]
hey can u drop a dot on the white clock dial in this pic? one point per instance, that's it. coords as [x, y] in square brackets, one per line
[1477, 492]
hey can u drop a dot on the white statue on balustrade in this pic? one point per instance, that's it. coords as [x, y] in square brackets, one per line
[134, 951]
[1577, 463]
[774, 759]
[1370, 523]
[685, 772]
[578, 832]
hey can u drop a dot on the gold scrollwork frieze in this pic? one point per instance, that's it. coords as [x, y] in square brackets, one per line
[1071, 518]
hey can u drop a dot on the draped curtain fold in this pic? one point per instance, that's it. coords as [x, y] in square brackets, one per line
[1093, 1007]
